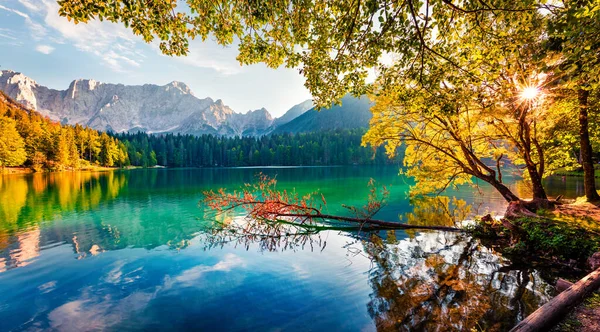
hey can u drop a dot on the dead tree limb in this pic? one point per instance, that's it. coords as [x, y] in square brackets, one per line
[550, 313]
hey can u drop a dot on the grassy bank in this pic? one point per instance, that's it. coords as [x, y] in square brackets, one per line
[577, 173]
[547, 240]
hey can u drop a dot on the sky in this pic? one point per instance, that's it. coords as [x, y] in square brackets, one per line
[37, 42]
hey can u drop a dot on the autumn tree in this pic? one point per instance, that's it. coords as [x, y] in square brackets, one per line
[574, 32]
[335, 44]
[12, 146]
[49, 145]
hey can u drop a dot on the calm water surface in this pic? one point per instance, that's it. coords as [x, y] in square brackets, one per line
[132, 251]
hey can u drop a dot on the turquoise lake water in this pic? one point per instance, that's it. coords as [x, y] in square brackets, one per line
[133, 250]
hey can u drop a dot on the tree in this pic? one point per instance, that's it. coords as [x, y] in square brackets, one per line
[469, 115]
[574, 32]
[12, 146]
[334, 42]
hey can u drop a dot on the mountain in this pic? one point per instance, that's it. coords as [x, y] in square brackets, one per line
[122, 108]
[170, 108]
[352, 113]
[293, 113]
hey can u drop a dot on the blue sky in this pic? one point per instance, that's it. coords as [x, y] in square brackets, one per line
[36, 41]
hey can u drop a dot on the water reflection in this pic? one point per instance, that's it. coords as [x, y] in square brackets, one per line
[439, 281]
[428, 281]
[123, 250]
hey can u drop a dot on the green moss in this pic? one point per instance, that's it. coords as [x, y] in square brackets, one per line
[543, 237]
[570, 324]
[551, 237]
[593, 301]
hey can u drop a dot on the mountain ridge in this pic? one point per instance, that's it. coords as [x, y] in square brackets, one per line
[169, 108]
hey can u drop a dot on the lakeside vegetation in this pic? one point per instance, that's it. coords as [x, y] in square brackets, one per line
[31, 140]
[322, 148]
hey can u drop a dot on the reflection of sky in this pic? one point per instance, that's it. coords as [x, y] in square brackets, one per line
[165, 289]
[144, 265]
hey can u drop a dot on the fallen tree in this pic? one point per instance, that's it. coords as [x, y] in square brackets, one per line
[549, 314]
[262, 201]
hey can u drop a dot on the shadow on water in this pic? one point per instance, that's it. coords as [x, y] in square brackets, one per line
[141, 234]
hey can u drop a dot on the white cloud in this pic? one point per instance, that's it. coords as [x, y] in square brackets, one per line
[210, 55]
[112, 43]
[37, 30]
[14, 11]
[30, 6]
[46, 49]
[7, 36]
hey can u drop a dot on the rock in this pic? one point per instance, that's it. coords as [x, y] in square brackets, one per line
[594, 261]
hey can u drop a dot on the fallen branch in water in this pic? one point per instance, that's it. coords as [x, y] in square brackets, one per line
[263, 202]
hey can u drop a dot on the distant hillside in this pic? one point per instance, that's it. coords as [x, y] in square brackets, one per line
[29, 139]
[352, 113]
[293, 113]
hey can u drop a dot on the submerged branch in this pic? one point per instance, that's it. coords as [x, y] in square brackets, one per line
[263, 202]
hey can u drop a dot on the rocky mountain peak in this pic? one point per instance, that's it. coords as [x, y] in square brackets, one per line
[19, 87]
[181, 87]
[170, 108]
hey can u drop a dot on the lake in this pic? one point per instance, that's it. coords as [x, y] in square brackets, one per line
[133, 250]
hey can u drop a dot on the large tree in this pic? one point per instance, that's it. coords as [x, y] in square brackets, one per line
[335, 43]
[574, 32]
[12, 146]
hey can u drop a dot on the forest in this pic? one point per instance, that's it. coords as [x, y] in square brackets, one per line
[336, 147]
[31, 140]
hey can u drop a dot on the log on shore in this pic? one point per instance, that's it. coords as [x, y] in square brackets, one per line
[550, 313]
[562, 285]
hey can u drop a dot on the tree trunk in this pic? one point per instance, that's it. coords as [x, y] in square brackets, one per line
[536, 182]
[589, 180]
[547, 315]
[508, 195]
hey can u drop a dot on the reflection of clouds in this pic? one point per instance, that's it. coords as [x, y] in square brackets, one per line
[47, 287]
[97, 313]
[229, 262]
[114, 275]
[300, 271]
[96, 310]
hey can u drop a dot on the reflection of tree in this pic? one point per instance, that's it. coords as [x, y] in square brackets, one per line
[442, 281]
[29, 200]
[433, 281]
[436, 211]
[428, 281]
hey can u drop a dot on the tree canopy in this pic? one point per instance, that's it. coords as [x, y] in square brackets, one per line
[453, 90]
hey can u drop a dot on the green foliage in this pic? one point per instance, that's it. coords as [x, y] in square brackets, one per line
[28, 139]
[334, 42]
[539, 237]
[483, 230]
[338, 147]
[556, 238]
